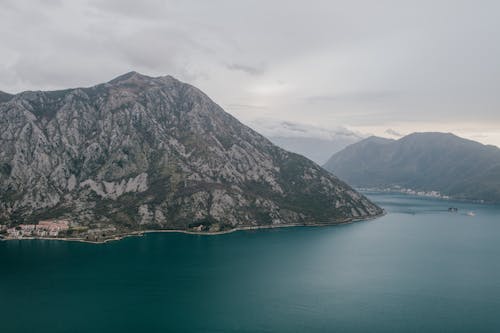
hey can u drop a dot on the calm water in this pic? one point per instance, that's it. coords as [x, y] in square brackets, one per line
[417, 269]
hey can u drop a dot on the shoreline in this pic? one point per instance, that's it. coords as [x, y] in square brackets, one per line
[422, 196]
[140, 233]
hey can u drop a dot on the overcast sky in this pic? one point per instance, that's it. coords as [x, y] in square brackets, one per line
[382, 67]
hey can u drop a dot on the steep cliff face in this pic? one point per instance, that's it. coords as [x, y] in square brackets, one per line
[154, 153]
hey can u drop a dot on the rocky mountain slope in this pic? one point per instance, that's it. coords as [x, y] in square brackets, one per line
[442, 162]
[142, 153]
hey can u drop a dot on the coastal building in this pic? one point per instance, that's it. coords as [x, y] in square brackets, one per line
[45, 228]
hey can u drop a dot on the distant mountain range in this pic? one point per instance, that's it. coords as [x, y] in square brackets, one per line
[443, 162]
[316, 143]
[141, 153]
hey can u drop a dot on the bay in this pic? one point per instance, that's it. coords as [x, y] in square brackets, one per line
[420, 268]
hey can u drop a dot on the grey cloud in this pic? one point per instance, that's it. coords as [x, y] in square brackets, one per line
[145, 9]
[392, 132]
[252, 70]
[52, 3]
[245, 106]
[357, 63]
[354, 97]
[289, 129]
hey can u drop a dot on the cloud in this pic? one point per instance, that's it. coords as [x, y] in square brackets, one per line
[330, 62]
[288, 129]
[252, 70]
[392, 132]
[244, 106]
[145, 9]
[354, 97]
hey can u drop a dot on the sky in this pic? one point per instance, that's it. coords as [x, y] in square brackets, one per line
[387, 68]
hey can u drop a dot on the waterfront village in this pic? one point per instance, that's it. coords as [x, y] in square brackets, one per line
[432, 194]
[46, 228]
[399, 189]
[58, 228]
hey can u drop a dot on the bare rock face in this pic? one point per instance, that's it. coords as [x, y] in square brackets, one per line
[154, 153]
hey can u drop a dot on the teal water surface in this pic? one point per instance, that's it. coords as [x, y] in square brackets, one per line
[417, 269]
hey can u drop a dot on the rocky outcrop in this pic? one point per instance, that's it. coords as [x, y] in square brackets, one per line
[154, 153]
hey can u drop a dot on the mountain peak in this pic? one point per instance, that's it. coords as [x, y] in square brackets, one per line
[135, 79]
[130, 76]
[431, 135]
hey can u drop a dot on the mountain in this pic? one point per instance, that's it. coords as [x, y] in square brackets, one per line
[441, 162]
[4, 97]
[141, 153]
[316, 143]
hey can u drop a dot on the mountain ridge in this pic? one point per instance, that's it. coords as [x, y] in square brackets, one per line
[428, 161]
